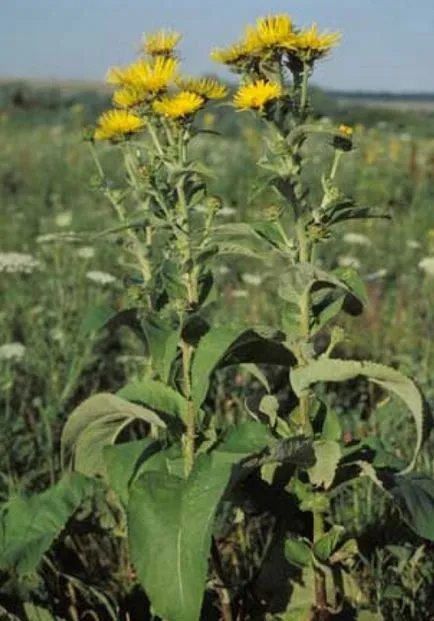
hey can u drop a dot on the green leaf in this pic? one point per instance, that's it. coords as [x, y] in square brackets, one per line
[297, 552]
[414, 495]
[37, 613]
[228, 345]
[157, 396]
[162, 338]
[330, 370]
[95, 318]
[327, 454]
[368, 615]
[170, 523]
[354, 282]
[328, 543]
[257, 374]
[210, 351]
[331, 429]
[105, 316]
[29, 526]
[121, 462]
[95, 424]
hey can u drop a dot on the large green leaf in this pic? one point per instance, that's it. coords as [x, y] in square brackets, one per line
[327, 456]
[414, 495]
[162, 337]
[122, 460]
[29, 526]
[229, 345]
[330, 370]
[211, 349]
[95, 424]
[170, 522]
[157, 396]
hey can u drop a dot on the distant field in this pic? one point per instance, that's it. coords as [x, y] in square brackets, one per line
[401, 102]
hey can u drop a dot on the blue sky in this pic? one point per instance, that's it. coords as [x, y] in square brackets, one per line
[387, 44]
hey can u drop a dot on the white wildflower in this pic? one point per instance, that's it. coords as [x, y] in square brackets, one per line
[57, 334]
[201, 208]
[252, 279]
[239, 293]
[413, 244]
[85, 252]
[66, 236]
[347, 261]
[427, 265]
[17, 263]
[227, 212]
[381, 273]
[12, 351]
[223, 270]
[358, 239]
[64, 219]
[102, 278]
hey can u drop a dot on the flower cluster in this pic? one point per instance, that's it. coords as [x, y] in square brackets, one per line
[265, 53]
[12, 351]
[145, 88]
[18, 263]
[276, 34]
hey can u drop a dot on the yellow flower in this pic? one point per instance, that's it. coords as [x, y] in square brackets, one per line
[205, 87]
[179, 106]
[271, 32]
[346, 130]
[153, 76]
[128, 97]
[233, 55]
[309, 45]
[257, 94]
[117, 123]
[161, 43]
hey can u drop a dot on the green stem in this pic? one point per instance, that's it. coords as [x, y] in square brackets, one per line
[320, 580]
[189, 440]
[304, 90]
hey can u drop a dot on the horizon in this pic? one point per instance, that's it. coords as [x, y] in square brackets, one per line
[77, 40]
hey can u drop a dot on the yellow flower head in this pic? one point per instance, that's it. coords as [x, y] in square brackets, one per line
[117, 123]
[271, 32]
[346, 130]
[161, 43]
[153, 76]
[234, 54]
[310, 44]
[128, 97]
[179, 106]
[205, 87]
[257, 94]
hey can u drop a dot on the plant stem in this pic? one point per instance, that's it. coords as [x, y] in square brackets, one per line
[189, 440]
[320, 581]
[303, 97]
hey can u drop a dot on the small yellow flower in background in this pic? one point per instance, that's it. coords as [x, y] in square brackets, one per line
[117, 123]
[271, 32]
[346, 130]
[309, 45]
[179, 106]
[233, 55]
[128, 97]
[153, 76]
[209, 120]
[161, 43]
[205, 87]
[257, 94]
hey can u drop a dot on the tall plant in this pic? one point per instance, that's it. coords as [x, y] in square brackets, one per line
[183, 469]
